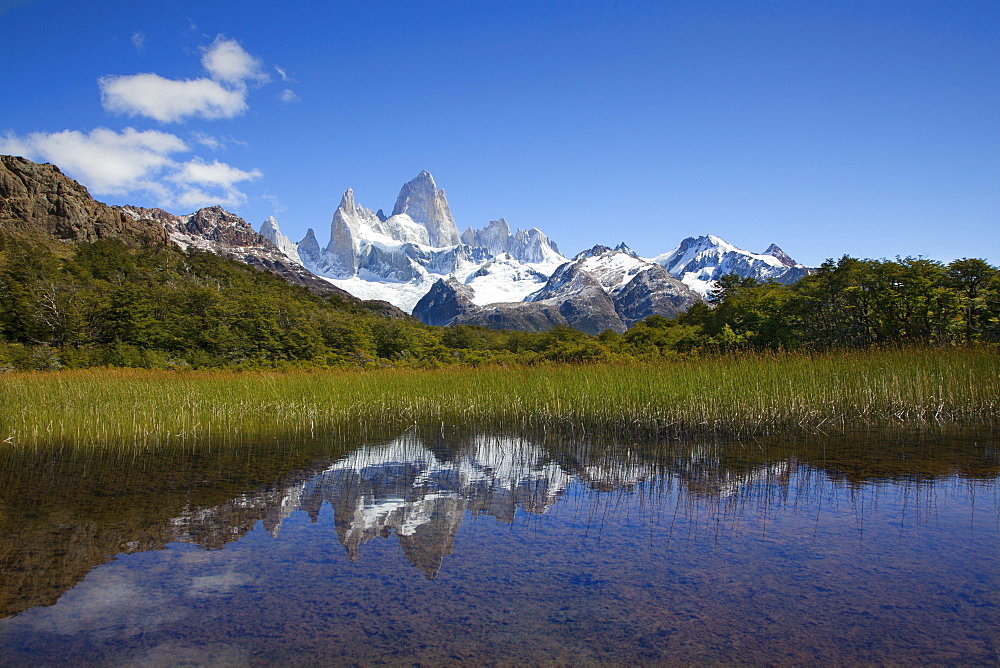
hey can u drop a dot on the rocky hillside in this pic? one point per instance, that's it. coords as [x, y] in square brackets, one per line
[218, 231]
[40, 199]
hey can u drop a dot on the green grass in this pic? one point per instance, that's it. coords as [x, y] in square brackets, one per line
[740, 395]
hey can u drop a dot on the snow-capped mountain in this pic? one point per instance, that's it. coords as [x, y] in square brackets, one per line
[699, 262]
[417, 260]
[637, 288]
[601, 288]
[398, 258]
[528, 246]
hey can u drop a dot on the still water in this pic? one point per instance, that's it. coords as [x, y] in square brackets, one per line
[426, 548]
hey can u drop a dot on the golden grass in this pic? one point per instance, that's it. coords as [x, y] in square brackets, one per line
[740, 395]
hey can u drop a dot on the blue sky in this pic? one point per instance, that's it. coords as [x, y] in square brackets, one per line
[828, 127]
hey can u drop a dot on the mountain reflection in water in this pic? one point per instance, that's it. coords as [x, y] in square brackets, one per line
[645, 507]
[403, 488]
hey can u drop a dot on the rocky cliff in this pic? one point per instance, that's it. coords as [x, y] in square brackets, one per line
[38, 198]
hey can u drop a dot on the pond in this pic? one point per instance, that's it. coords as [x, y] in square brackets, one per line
[426, 547]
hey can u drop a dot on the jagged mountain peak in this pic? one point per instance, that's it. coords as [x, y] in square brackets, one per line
[623, 248]
[530, 246]
[601, 249]
[270, 230]
[775, 251]
[707, 242]
[216, 210]
[347, 200]
[597, 249]
[500, 225]
[424, 203]
[211, 225]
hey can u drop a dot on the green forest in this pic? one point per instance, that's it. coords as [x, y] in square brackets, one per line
[110, 303]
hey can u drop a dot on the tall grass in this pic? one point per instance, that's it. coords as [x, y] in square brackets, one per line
[738, 395]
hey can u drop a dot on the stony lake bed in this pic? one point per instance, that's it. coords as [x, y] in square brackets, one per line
[875, 545]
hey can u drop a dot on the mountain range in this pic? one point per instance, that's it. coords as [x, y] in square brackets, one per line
[415, 260]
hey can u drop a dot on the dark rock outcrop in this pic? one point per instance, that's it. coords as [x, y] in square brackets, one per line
[450, 303]
[446, 300]
[653, 292]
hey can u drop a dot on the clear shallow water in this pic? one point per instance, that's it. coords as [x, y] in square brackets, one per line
[873, 547]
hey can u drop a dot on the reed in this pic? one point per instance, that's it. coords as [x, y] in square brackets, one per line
[734, 395]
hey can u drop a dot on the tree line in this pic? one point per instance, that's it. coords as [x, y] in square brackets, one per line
[852, 302]
[108, 303]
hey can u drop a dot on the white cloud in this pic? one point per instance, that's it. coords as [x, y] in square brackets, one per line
[135, 163]
[226, 60]
[106, 161]
[275, 203]
[193, 176]
[197, 198]
[207, 140]
[217, 143]
[223, 94]
[288, 96]
[283, 74]
[213, 173]
[143, 164]
[169, 100]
